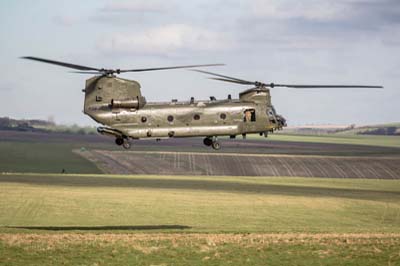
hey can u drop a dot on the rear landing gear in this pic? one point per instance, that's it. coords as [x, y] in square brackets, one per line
[124, 142]
[126, 145]
[213, 142]
[216, 145]
[208, 141]
[119, 141]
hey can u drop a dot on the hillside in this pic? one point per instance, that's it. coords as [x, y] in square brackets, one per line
[389, 129]
[38, 125]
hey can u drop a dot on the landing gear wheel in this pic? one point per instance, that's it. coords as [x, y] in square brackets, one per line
[126, 145]
[208, 142]
[215, 145]
[119, 141]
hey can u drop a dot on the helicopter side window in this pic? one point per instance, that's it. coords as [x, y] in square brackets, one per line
[249, 115]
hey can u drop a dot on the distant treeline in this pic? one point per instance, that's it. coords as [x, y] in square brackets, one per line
[390, 131]
[37, 125]
[384, 130]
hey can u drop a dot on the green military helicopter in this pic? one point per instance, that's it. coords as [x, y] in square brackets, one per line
[119, 105]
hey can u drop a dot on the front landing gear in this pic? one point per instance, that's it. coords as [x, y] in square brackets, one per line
[124, 142]
[213, 142]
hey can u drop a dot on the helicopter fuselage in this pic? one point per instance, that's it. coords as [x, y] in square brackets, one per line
[118, 105]
[185, 119]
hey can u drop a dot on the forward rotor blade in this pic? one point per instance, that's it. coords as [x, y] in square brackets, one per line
[223, 76]
[325, 86]
[86, 72]
[63, 64]
[272, 85]
[165, 68]
[233, 81]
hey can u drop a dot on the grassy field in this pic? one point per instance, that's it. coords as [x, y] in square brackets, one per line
[42, 157]
[200, 249]
[164, 220]
[384, 141]
[93, 219]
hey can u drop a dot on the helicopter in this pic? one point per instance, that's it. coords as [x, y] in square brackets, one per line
[125, 115]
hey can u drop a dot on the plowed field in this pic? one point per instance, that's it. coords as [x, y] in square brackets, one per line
[191, 163]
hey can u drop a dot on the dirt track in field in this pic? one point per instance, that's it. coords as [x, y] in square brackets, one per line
[141, 239]
[209, 164]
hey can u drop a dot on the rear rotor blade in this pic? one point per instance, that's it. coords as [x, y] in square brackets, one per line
[165, 68]
[63, 64]
[108, 71]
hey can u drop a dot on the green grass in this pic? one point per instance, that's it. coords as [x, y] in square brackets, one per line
[199, 250]
[52, 219]
[384, 141]
[213, 204]
[43, 157]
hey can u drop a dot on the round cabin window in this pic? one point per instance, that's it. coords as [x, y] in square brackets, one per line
[196, 117]
[144, 119]
[222, 116]
[170, 118]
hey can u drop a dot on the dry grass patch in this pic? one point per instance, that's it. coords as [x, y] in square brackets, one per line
[247, 240]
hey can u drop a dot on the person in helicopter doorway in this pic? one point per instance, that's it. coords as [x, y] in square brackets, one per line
[247, 116]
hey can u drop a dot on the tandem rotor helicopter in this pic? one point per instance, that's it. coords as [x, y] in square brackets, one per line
[120, 107]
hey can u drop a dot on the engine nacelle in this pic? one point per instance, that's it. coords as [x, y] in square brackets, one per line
[129, 104]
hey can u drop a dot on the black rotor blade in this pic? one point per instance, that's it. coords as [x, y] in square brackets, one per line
[165, 68]
[87, 72]
[233, 81]
[223, 76]
[63, 64]
[325, 86]
[272, 85]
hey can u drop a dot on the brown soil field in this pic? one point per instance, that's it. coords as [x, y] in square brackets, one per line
[236, 158]
[228, 164]
[241, 146]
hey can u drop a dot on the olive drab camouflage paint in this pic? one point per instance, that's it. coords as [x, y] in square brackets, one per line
[133, 118]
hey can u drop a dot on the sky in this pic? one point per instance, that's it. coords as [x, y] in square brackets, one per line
[281, 41]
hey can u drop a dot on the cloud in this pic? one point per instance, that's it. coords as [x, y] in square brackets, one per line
[288, 9]
[64, 20]
[7, 86]
[164, 40]
[354, 14]
[134, 13]
[136, 6]
[318, 24]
